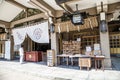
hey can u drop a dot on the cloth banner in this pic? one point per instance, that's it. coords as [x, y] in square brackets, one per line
[39, 33]
[19, 35]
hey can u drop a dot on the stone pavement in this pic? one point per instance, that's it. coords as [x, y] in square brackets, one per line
[36, 71]
[6, 74]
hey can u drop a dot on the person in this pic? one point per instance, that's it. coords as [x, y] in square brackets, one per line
[21, 53]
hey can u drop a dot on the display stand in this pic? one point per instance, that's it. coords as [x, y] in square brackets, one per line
[71, 47]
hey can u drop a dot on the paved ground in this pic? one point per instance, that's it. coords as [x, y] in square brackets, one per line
[6, 74]
[12, 70]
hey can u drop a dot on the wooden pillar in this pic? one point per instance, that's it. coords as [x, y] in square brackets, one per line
[105, 46]
[2, 49]
[55, 45]
[9, 46]
[12, 46]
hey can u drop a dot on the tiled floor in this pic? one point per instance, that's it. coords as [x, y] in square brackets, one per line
[116, 63]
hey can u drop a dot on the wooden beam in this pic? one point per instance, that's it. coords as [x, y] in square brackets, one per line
[4, 23]
[42, 15]
[43, 6]
[112, 7]
[102, 4]
[66, 1]
[16, 4]
[46, 6]
[36, 5]
[67, 8]
[72, 1]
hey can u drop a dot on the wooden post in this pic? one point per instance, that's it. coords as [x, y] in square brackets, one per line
[55, 45]
[105, 47]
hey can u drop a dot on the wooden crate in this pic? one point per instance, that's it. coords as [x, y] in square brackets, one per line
[85, 62]
[34, 56]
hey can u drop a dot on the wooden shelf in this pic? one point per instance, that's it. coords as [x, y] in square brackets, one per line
[71, 47]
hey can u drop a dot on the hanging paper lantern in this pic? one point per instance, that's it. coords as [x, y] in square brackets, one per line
[103, 26]
[52, 28]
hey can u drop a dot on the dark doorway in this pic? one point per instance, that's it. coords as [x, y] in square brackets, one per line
[42, 46]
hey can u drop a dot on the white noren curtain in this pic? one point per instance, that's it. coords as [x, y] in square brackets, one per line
[19, 35]
[39, 33]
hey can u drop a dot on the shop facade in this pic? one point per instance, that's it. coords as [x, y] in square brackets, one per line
[86, 34]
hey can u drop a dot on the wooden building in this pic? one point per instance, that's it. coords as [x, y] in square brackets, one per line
[15, 14]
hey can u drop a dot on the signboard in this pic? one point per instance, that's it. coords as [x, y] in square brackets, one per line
[7, 50]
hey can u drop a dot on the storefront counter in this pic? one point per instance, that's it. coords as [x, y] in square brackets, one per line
[83, 60]
[34, 56]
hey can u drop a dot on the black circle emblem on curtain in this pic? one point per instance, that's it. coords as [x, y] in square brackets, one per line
[37, 33]
[19, 36]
